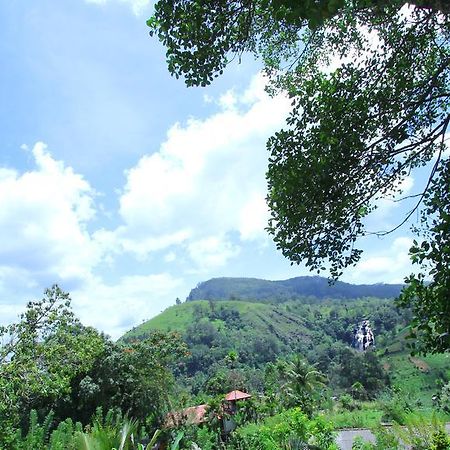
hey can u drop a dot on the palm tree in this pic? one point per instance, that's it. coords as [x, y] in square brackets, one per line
[303, 383]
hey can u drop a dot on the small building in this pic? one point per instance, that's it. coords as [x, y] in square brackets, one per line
[230, 408]
[197, 415]
[231, 399]
[194, 415]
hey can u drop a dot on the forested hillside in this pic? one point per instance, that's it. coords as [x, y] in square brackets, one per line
[253, 289]
[233, 344]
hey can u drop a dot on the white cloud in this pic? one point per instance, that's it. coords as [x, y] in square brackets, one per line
[43, 217]
[254, 217]
[228, 100]
[137, 6]
[116, 307]
[207, 179]
[211, 252]
[190, 203]
[170, 257]
[389, 265]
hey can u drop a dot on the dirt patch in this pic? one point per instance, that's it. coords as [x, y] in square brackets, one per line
[386, 366]
[420, 364]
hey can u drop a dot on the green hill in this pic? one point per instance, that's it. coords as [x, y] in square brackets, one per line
[253, 289]
[230, 316]
[233, 342]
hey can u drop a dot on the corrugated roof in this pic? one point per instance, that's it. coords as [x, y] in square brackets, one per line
[236, 395]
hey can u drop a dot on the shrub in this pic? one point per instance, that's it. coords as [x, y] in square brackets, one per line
[348, 402]
[440, 440]
[360, 444]
[289, 430]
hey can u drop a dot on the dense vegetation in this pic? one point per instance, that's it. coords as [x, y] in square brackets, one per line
[253, 289]
[238, 344]
[56, 367]
[66, 386]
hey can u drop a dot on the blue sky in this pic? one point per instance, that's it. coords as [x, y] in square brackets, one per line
[122, 185]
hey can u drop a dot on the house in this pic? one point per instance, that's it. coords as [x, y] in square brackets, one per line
[197, 415]
[194, 415]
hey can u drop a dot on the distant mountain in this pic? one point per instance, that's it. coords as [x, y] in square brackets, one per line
[253, 289]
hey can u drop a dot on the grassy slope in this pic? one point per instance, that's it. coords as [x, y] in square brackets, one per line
[417, 377]
[261, 316]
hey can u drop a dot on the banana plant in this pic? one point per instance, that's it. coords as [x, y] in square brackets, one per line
[176, 443]
[152, 442]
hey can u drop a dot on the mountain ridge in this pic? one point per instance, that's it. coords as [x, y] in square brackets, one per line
[256, 289]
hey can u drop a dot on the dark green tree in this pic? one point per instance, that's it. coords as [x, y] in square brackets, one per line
[357, 128]
[135, 377]
[430, 300]
[39, 357]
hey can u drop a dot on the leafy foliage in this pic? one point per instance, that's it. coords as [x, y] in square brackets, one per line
[50, 363]
[248, 346]
[355, 133]
[357, 128]
[301, 384]
[291, 429]
[430, 300]
[106, 432]
[133, 380]
[40, 356]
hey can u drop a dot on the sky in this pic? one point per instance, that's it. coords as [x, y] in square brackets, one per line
[127, 188]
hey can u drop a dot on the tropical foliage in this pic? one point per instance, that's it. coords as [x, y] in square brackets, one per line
[52, 364]
[98, 394]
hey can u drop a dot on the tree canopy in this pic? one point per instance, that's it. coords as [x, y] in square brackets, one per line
[369, 83]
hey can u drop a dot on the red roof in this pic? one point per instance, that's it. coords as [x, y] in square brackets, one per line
[236, 395]
[193, 415]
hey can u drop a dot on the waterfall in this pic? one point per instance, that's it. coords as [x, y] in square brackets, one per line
[363, 336]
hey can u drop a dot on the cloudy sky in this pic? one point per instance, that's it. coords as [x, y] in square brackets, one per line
[122, 185]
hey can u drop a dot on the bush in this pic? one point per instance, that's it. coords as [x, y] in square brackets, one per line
[360, 444]
[108, 432]
[289, 430]
[418, 433]
[395, 408]
[440, 440]
[348, 402]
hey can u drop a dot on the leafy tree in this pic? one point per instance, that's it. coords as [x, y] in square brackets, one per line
[135, 378]
[356, 130]
[430, 301]
[360, 373]
[49, 361]
[302, 384]
[40, 355]
[294, 383]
